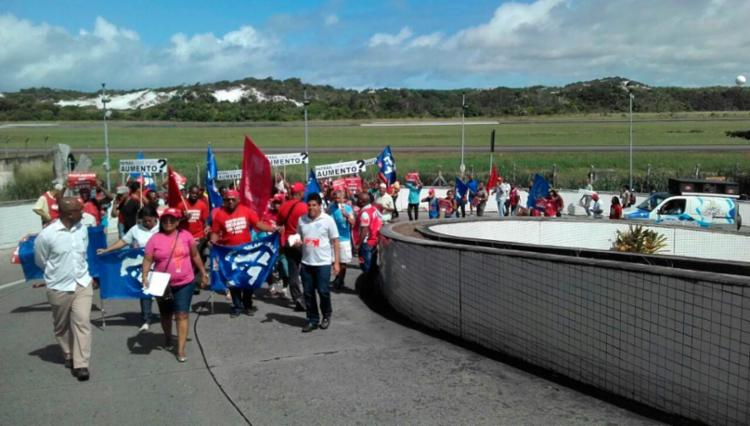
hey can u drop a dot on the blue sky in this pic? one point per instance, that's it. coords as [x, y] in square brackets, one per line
[359, 44]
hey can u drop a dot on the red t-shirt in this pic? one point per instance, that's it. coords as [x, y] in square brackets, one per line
[371, 218]
[289, 214]
[615, 211]
[91, 208]
[196, 215]
[234, 228]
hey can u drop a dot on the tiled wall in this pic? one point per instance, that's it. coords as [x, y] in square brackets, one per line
[676, 340]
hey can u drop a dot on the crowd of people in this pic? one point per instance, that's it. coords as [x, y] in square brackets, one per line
[320, 234]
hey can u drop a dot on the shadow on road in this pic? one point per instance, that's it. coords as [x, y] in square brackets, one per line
[49, 353]
[145, 343]
[290, 320]
[369, 288]
[36, 307]
[130, 319]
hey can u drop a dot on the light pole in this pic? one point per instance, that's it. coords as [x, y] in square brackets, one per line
[631, 97]
[105, 100]
[306, 102]
[462, 168]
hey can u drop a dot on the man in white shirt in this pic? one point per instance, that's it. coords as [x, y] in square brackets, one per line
[385, 202]
[319, 238]
[60, 250]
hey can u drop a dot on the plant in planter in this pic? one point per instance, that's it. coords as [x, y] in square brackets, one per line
[639, 240]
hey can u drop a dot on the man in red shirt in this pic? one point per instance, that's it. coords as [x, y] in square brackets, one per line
[369, 223]
[46, 206]
[231, 226]
[289, 214]
[195, 210]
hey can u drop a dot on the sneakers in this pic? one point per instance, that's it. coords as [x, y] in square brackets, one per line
[309, 327]
[325, 323]
[234, 314]
[144, 327]
[168, 343]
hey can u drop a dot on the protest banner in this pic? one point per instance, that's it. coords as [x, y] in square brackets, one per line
[229, 174]
[340, 169]
[144, 166]
[81, 180]
[339, 184]
[292, 159]
[353, 184]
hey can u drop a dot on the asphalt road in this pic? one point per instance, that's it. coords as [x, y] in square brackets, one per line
[416, 149]
[366, 369]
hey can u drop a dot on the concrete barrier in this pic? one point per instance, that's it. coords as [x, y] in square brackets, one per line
[674, 338]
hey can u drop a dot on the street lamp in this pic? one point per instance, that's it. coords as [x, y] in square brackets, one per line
[462, 168]
[631, 97]
[105, 100]
[306, 102]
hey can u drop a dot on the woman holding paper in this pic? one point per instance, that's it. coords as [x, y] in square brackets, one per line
[136, 237]
[173, 253]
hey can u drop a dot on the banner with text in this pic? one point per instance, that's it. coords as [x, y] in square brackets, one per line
[146, 165]
[339, 169]
[293, 159]
[229, 174]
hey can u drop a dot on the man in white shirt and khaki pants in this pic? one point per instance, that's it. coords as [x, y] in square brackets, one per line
[60, 250]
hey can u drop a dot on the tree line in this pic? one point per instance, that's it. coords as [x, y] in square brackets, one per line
[196, 103]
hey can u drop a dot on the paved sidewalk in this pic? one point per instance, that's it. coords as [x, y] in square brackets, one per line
[365, 369]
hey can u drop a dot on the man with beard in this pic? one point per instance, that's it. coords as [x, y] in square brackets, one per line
[231, 226]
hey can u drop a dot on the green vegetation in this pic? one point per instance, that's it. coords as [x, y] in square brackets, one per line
[195, 103]
[639, 240]
[29, 181]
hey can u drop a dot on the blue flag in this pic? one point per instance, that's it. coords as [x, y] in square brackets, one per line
[540, 188]
[473, 187]
[386, 166]
[461, 187]
[245, 266]
[97, 240]
[26, 255]
[312, 186]
[148, 180]
[214, 197]
[120, 274]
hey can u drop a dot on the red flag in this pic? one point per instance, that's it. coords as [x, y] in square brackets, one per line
[174, 196]
[493, 178]
[256, 182]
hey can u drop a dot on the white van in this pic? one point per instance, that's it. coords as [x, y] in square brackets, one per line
[703, 209]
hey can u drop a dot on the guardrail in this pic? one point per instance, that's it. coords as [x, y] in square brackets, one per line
[677, 339]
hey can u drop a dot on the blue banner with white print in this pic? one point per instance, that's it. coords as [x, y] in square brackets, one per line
[245, 266]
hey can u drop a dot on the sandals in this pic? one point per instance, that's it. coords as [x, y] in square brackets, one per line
[181, 358]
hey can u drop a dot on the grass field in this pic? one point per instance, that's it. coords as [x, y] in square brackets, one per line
[572, 168]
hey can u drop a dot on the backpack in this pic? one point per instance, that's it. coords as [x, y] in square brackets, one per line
[631, 201]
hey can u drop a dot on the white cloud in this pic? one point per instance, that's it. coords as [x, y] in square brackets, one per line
[390, 39]
[331, 20]
[668, 42]
[45, 55]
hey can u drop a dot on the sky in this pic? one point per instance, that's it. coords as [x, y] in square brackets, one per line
[359, 44]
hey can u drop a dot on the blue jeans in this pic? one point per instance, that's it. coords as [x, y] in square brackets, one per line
[242, 298]
[316, 278]
[368, 258]
[146, 310]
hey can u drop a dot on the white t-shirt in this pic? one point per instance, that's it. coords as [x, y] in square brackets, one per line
[316, 237]
[138, 236]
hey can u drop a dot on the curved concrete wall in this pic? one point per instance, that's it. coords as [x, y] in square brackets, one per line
[674, 339]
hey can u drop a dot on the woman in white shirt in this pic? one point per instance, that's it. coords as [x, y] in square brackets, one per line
[137, 237]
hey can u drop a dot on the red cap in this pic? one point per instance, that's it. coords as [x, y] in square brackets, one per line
[298, 187]
[175, 213]
[431, 191]
[232, 193]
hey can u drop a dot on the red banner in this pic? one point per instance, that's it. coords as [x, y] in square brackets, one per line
[81, 180]
[353, 184]
[339, 184]
[256, 182]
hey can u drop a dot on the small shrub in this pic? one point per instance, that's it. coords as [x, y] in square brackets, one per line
[29, 182]
[639, 240]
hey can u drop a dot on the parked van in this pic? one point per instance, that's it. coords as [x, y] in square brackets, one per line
[691, 202]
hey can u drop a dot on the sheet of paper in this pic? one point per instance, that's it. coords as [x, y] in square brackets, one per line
[157, 283]
[294, 239]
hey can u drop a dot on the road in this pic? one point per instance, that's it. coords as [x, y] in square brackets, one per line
[366, 369]
[416, 149]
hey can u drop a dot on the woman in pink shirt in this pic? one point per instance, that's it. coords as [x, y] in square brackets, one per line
[174, 251]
